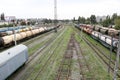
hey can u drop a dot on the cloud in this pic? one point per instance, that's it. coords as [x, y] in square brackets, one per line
[101, 7]
[66, 8]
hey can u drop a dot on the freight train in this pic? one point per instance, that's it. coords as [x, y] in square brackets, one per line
[23, 34]
[9, 30]
[12, 59]
[101, 34]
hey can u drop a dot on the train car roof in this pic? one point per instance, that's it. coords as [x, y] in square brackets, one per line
[10, 53]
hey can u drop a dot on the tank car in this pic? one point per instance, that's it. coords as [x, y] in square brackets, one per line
[104, 30]
[23, 34]
[97, 28]
[6, 40]
[95, 35]
[109, 41]
[113, 32]
[9, 32]
[28, 33]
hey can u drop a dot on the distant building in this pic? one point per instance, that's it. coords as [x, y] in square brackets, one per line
[9, 18]
[2, 23]
[99, 18]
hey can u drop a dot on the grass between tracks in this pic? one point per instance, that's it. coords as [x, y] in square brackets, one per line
[106, 50]
[33, 49]
[97, 68]
[49, 72]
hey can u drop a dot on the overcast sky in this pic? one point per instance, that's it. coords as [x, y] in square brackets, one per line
[67, 9]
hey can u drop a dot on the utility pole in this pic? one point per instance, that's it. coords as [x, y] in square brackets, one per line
[111, 47]
[55, 14]
[117, 60]
[14, 33]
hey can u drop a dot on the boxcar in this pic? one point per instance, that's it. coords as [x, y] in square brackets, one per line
[12, 59]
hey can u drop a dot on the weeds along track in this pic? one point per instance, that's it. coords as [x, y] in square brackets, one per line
[27, 68]
[44, 59]
[100, 53]
[43, 46]
[47, 43]
[65, 68]
[48, 59]
[84, 66]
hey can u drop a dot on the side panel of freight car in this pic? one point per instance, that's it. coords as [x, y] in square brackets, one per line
[12, 59]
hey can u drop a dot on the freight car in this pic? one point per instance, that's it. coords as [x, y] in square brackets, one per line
[12, 59]
[102, 38]
[104, 30]
[95, 35]
[105, 39]
[8, 40]
[11, 30]
[97, 28]
[86, 28]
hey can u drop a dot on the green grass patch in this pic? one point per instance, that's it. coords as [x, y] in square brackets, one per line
[97, 69]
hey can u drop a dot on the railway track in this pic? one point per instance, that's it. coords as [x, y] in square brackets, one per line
[84, 66]
[101, 54]
[42, 48]
[23, 69]
[43, 56]
[64, 70]
[48, 61]
[28, 42]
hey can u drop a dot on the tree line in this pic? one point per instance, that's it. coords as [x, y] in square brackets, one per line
[113, 20]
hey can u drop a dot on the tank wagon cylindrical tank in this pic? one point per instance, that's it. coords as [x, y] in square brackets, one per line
[104, 30]
[109, 41]
[22, 35]
[12, 59]
[114, 32]
[95, 35]
[97, 28]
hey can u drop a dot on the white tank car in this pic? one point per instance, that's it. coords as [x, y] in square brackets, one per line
[18, 37]
[115, 41]
[45, 28]
[96, 34]
[41, 29]
[33, 32]
[23, 34]
[12, 59]
[102, 37]
[28, 33]
[7, 39]
[37, 31]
